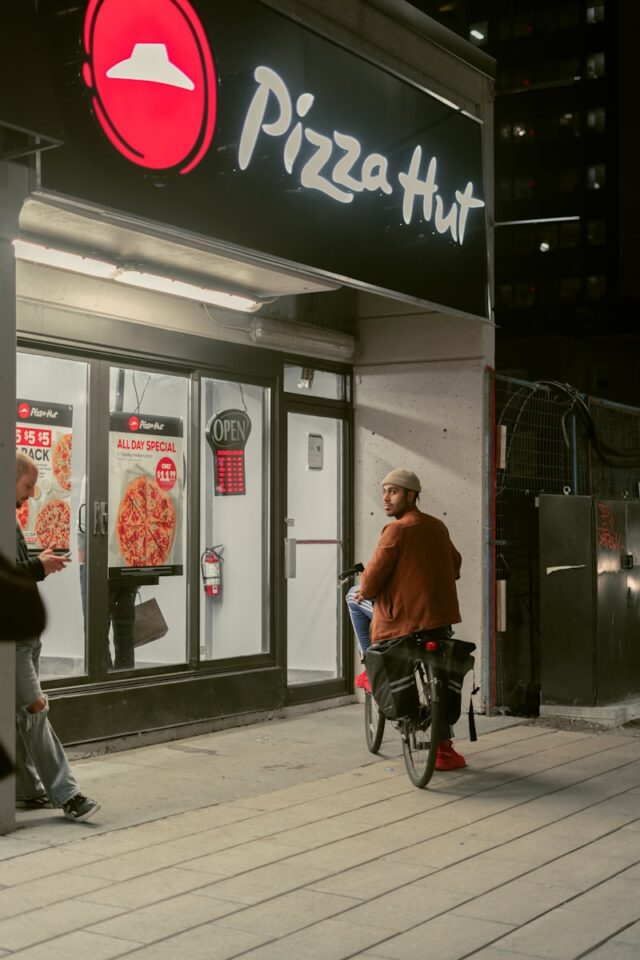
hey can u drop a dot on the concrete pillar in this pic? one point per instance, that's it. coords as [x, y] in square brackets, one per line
[419, 403]
[13, 189]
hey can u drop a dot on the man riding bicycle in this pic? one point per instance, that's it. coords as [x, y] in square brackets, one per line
[411, 576]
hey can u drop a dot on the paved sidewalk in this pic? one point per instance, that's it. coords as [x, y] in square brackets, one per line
[288, 841]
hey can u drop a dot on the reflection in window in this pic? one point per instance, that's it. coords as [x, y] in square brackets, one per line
[234, 519]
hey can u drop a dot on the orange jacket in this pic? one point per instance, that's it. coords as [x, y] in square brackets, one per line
[412, 577]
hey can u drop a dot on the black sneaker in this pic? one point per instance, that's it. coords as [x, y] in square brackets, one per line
[34, 803]
[80, 808]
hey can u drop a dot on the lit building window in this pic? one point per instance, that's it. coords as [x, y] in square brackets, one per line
[596, 120]
[596, 176]
[569, 125]
[595, 11]
[595, 66]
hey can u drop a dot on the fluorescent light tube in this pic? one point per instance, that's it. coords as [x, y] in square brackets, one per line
[88, 266]
[36, 253]
[189, 291]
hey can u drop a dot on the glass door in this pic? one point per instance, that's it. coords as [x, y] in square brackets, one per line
[314, 547]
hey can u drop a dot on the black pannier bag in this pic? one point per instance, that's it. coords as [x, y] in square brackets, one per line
[389, 665]
[458, 661]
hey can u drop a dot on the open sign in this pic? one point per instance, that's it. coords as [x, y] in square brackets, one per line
[227, 435]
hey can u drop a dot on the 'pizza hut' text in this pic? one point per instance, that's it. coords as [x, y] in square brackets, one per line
[157, 446]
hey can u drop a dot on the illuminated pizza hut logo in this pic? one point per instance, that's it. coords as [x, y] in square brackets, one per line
[24, 410]
[134, 423]
[151, 77]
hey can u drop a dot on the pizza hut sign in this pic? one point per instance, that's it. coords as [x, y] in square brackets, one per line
[227, 435]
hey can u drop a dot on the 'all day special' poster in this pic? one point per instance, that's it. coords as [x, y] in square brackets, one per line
[146, 482]
[44, 433]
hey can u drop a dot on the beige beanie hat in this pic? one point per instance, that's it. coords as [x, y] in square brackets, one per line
[403, 478]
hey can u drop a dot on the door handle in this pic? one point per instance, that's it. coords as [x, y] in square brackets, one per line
[289, 558]
[100, 517]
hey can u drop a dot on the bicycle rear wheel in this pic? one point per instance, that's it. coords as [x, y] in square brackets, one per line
[419, 734]
[373, 723]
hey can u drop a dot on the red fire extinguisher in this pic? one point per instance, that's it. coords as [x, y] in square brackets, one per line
[211, 565]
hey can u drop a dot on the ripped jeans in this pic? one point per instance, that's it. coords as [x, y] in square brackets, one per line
[41, 763]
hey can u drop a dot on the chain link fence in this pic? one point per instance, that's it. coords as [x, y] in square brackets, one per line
[549, 439]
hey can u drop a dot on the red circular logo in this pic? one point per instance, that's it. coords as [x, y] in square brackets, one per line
[166, 473]
[152, 80]
[24, 410]
[134, 423]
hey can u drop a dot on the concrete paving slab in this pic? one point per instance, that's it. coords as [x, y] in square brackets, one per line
[51, 921]
[165, 919]
[289, 913]
[560, 934]
[77, 946]
[46, 890]
[207, 942]
[441, 938]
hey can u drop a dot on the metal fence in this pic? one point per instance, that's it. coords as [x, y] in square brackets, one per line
[549, 439]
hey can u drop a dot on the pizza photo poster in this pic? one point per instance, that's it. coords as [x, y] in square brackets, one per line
[146, 484]
[44, 432]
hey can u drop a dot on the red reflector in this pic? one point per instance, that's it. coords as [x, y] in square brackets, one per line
[431, 646]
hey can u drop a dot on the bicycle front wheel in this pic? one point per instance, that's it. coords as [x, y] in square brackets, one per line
[420, 733]
[373, 723]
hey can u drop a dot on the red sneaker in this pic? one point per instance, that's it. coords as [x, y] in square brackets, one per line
[447, 758]
[362, 681]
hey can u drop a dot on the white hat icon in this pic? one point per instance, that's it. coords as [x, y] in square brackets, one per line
[150, 62]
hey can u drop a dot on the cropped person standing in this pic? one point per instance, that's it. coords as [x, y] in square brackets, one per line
[43, 774]
[412, 577]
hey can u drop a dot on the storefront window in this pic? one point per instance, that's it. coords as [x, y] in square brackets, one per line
[148, 457]
[309, 382]
[51, 428]
[234, 520]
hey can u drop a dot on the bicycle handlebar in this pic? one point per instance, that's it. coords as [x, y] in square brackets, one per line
[351, 572]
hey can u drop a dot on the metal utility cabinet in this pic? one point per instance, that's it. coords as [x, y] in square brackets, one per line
[589, 600]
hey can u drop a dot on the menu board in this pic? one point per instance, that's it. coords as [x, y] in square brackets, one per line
[44, 432]
[146, 484]
[227, 435]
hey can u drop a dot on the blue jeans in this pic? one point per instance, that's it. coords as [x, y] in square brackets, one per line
[41, 763]
[361, 614]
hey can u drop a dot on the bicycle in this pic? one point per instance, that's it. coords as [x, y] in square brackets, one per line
[374, 719]
[409, 674]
